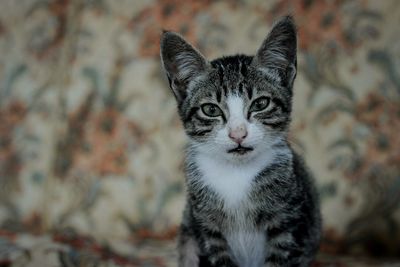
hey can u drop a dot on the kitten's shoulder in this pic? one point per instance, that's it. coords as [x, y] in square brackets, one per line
[299, 165]
[305, 176]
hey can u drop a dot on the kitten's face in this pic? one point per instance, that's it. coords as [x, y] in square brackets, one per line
[234, 107]
[233, 111]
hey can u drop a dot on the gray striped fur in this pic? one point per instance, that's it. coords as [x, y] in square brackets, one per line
[254, 209]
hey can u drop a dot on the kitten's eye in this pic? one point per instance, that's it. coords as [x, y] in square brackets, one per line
[211, 110]
[259, 104]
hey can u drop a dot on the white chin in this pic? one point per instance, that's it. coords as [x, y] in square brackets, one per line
[240, 157]
[221, 153]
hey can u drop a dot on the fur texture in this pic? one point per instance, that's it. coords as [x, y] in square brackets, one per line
[250, 200]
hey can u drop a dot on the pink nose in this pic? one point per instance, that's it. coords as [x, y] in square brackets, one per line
[238, 134]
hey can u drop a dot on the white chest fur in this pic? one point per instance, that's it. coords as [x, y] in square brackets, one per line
[247, 247]
[233, 184]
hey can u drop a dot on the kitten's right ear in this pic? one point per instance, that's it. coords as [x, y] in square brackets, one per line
[182, 63]
[277, 54]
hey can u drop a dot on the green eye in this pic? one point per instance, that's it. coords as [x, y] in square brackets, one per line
[259, 104]
[211, 110]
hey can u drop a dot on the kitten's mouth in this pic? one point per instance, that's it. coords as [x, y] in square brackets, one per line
[241, 150]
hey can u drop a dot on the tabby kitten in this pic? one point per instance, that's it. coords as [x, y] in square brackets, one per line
[250, 199]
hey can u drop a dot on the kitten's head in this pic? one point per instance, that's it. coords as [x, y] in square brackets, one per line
[234, 107]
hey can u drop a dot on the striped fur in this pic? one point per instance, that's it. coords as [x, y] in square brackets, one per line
[254, 208]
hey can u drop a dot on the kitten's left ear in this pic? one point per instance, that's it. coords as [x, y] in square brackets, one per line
[182, 63]
[277, 54]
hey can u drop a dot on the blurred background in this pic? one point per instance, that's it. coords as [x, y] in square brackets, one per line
[91, 146]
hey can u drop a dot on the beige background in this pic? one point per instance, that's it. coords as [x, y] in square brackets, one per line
[90, 139]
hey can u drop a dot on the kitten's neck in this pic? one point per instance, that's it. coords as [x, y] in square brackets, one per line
[233, 181]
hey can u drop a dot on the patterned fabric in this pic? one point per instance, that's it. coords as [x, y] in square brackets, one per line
[71, 250]
[90, 139]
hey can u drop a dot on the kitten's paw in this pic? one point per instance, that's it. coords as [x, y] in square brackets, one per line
[189, 254]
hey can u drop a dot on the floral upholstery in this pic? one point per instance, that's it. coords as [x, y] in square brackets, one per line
[91, 145]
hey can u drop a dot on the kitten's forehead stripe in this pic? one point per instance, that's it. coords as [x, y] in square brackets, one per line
[219, 95]
[232, 73]
[249, 91]
[221, 74]
[243, 70]
[225, 88]
[240, 88]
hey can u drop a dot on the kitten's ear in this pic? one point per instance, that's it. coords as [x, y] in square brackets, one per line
[182, 63]
[277, 54]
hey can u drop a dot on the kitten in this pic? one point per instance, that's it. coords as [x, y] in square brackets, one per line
[250, 199]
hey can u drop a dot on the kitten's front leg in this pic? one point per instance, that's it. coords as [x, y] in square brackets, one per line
[188, 248]
[216, 250]
[285, 248]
